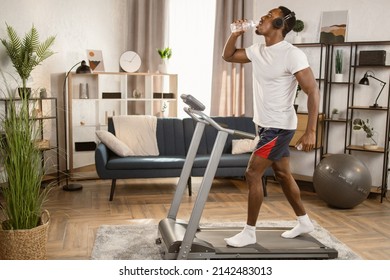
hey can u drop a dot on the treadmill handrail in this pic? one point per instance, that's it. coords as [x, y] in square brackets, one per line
[202, 117]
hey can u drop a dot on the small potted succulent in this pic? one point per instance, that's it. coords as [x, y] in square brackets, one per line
[339, 66]
[335, 114]
[165, 54]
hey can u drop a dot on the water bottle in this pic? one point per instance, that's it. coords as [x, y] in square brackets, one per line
[242, 26]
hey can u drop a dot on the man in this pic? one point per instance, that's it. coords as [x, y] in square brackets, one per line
[278, 68]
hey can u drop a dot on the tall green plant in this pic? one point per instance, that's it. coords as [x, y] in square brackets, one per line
[21, 158]
[339, 61]
[28, 52]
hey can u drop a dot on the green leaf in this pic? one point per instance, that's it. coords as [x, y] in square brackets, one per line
[27, 52]
[165, 53]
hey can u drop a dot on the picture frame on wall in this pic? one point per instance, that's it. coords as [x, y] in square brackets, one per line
[334, 26]
[95, 59]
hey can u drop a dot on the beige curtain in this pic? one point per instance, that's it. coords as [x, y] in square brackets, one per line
[148, 22]
[231, 90]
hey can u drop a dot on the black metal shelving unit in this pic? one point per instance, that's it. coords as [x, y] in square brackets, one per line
[44, 116]
[353, 108]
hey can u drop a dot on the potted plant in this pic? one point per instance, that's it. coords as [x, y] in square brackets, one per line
[371, 135]
[165, 54]
[335, 114]
[165, 109]
[23, 233]
[339, 66]
[26, 53]
[23, 197]
[298, 27]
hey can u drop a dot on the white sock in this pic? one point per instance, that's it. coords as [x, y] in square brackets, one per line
[304, 226]
[245, 237]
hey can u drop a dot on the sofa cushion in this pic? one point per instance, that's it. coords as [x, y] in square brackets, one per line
[142, 162]
[170, 137]
[242, 146]
[138, 132]
[169, 134]
[113, 143]
[227, 160]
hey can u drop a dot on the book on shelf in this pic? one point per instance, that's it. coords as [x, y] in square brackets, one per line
[163, 95]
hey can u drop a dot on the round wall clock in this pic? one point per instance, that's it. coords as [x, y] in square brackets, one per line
[130, 61]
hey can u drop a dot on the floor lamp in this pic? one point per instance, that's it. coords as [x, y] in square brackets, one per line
[83, 68]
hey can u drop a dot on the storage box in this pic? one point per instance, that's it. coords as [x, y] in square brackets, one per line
[163, 95]
[301, 128]
[85, 146]
[42, 144]
[111, 95]
[372, 58]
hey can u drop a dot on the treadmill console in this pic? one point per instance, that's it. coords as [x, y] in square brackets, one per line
[192, 102]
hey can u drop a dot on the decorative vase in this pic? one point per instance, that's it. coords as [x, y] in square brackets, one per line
[84, 91]
[43, 93]
[24, 92]
[25, 244]
[163, 67]
[371, 143]
[338, 78]
[137, 93]
[165, 109]
[297, 39]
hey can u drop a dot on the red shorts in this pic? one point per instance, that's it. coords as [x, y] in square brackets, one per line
[274, 143]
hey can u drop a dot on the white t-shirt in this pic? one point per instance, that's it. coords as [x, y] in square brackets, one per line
[274, 83]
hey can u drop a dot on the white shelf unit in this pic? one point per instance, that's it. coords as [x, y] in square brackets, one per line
[109, 94]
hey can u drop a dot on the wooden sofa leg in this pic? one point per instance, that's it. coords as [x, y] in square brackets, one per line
[189, 184]
[113, 184]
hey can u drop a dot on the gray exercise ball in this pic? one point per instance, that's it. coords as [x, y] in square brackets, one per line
[342, 181]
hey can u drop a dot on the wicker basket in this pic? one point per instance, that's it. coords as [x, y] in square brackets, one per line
[25, 244]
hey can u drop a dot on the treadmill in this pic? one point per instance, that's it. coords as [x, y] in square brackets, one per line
[181, 240]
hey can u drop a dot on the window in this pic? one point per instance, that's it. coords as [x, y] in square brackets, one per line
[191, 37]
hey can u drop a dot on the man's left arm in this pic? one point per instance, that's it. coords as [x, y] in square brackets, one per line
[309, 85]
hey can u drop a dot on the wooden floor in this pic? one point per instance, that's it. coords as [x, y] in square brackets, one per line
[76, 216]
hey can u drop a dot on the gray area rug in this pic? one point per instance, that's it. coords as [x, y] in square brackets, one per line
[137, 242]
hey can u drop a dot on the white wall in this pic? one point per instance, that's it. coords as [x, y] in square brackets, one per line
[193, 56]
[78, 26]
[368, 20]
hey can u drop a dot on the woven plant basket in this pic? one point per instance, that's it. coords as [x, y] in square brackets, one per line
[25, 244]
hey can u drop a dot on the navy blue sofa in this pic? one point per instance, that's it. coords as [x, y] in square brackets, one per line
[173, 139]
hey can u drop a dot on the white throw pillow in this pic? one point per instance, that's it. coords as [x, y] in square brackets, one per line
[113, 143]
[241, 146]
[138, 132]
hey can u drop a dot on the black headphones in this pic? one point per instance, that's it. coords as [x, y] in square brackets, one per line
[279, 22]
